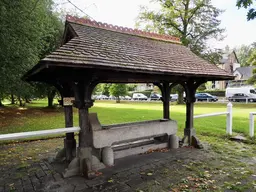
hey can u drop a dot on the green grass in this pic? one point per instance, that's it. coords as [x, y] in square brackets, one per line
[110, 112]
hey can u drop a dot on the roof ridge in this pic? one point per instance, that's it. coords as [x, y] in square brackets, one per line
[120, 29]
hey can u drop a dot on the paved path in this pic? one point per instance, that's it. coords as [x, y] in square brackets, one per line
[128, 174]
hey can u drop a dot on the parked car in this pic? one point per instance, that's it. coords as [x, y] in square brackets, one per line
[121, 98]
[242, 97]
[127, 97]
[111, 97]
[174, 97]
[248, 90]
[155, 97]
[139, 96]
[101, 97]
[205, 97]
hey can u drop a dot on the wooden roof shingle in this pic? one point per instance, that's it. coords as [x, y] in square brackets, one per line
[98, 45]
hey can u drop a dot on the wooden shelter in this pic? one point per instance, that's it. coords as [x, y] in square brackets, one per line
[94, 52]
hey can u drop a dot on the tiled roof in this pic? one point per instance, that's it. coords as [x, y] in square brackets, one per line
[245, 72]
[97, 46]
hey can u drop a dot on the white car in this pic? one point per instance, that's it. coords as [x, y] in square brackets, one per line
[127, 97]
[111, 97]
[139, 96]
[248, 90]
[174, 97]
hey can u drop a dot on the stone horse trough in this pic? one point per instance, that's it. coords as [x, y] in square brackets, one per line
[116, 141]
[93, 53]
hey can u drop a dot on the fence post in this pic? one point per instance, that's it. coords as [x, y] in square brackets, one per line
[229, 119]
[251, 131]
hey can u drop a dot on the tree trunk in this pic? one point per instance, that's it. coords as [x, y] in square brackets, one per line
[180, 95]
[117, 100]
[50, 96]
[20, 101]
[12, 99]
[1, 104]
[27, 100]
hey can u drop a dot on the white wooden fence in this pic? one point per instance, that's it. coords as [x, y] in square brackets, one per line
[251, 124]
[23, 135]
[229, 117]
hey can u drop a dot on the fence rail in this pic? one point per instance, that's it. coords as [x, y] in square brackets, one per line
[210, 115]
[24, 135]
[229, 117]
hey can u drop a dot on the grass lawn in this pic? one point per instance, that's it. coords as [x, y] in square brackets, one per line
[224, 165]
[37, 117]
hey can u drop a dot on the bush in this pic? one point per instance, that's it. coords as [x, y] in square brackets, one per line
[219, 93]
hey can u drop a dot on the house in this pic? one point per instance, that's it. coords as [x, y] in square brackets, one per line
[229, 63]
[244, 73]
[144, 87]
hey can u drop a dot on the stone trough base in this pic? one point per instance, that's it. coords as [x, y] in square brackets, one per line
[87, 164]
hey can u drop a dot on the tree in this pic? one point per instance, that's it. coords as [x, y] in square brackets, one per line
[29, 30]
[247, 4]
[194, 21]
[105, 88]
[244, 52]
[118, 90]
[252, 60]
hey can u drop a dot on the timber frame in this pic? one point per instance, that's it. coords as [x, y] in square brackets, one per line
[94, 53]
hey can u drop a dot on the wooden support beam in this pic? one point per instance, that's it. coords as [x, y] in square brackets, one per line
[189, 131]
[166, 100]
[165, 88]
[69, 141]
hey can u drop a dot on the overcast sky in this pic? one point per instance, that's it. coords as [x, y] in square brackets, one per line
[124, 12]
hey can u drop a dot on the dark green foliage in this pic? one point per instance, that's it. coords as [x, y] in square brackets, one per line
[29, 31]
[104, 88]
[247, 4]
[131, 87]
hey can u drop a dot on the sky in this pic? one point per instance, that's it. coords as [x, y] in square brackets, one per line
[124, 13]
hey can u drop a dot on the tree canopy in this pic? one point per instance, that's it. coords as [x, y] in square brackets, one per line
[244, 52]
[118, 90]
[194, 21]
[247, 4]
[29, 31]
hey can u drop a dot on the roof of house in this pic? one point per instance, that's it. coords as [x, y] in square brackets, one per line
[226, 56]
[99, 45]
[245, 72]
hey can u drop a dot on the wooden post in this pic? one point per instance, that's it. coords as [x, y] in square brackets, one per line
[83, 102]
[189, 131]
[165, 90]
[189, 115]
[166, 100]
[85, 137]
[69, 142]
